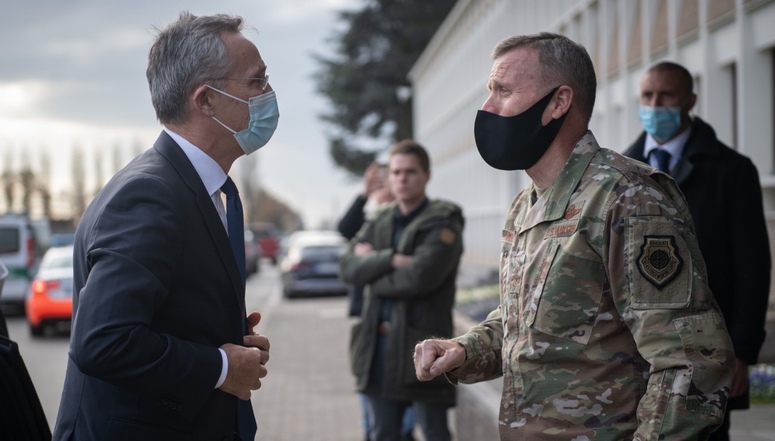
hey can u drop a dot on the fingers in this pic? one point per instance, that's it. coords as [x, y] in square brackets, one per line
[435, 357]
[253, 320]
[362, 248]
[259, 342]
[424, 355]
[246, 367]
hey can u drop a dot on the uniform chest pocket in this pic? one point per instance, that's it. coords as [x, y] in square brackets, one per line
[569, 300]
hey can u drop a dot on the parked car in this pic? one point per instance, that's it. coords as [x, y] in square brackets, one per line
[22, 244]
[62, 239]
[252, 254]
[268, 238]
[310, 265]
[50, 301]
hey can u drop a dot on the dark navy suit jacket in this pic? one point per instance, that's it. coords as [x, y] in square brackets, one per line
[156, 292]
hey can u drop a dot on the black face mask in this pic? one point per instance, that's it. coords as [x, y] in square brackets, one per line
[515, 142]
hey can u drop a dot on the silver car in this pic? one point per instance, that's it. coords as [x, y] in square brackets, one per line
[310, 265]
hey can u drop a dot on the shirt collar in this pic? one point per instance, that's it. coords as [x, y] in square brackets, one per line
[211, 174]
[675, 146]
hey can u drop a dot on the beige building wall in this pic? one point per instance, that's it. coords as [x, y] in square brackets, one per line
[728, 45]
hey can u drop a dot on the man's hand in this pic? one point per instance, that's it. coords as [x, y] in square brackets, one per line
[371, 180]
[246, 368]
[435, 357]
[401, 260]
[740, 379]
[363, 249]
[253, 319]
[246, 363]
[255, 340]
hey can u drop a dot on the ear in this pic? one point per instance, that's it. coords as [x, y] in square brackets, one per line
[691, 102]
[560, 105]
[202, 101]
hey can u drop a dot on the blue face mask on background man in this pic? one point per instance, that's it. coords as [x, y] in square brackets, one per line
[660, 122]
[264, 116]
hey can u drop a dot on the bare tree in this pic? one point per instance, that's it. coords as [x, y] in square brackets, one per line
[27, 181]
[98, 176]
[44, 182]
[9, 180]
[79, 182]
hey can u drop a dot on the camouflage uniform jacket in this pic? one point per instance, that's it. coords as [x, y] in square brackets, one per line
[606, 328]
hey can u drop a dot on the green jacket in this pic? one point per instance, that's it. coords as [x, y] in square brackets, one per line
[423, 294]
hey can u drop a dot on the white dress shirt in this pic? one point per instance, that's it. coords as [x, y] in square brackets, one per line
[213, 177]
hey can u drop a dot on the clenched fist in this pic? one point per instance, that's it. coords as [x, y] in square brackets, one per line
[435, 357]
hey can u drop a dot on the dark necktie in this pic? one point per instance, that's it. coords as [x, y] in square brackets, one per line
[235, 224]
[663, 159]
[246, 420]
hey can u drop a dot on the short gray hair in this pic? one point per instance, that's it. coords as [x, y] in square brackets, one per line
[189, 52]
[563, 62]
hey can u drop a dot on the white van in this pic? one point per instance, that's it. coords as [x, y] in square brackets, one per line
[22, 244]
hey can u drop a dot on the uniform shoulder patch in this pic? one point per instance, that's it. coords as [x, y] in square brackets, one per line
[659, 261]
[447, 236]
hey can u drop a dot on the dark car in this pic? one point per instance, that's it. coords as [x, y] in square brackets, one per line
[311, 264]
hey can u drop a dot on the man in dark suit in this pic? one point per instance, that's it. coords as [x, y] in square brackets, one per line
[161, 345]
[724, 195]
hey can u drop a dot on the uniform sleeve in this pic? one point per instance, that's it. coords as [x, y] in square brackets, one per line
[483, 345]
[434, 258]
[659, 284]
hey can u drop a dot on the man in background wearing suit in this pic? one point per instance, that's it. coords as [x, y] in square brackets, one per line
[161, 345]
[722, 190]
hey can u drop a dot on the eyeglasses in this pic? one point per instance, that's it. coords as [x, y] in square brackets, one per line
[261, 82]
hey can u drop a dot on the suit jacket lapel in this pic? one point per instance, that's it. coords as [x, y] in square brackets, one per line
[168, 148]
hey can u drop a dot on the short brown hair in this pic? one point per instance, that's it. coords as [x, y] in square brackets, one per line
[412, 147]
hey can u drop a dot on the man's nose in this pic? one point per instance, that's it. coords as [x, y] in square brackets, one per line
[489, 105]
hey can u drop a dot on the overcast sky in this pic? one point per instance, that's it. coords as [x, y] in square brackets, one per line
[73, 73]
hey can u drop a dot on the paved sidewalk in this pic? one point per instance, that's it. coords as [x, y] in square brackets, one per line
[309, 392]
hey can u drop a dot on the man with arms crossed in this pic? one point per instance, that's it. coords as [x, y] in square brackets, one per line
[407, 258]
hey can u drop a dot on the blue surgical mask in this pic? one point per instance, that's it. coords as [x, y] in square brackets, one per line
[264, 115]
[660, 122]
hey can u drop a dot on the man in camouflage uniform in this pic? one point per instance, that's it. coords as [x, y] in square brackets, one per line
[606, 328]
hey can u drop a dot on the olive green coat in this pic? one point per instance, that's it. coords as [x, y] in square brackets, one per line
[423, 294]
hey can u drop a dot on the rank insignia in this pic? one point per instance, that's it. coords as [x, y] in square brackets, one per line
[659, 261]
